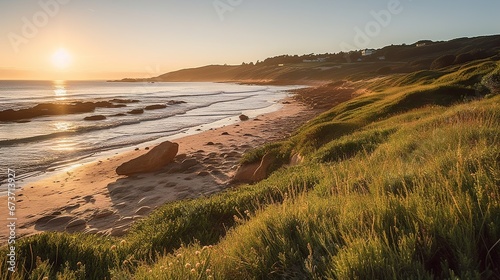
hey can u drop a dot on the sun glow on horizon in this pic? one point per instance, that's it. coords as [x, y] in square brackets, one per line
[61, 59]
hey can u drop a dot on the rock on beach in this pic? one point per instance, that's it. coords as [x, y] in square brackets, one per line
[153, 160]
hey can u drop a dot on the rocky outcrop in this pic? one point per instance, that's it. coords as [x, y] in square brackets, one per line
[95, 118]
[136, 111]
[153, 160]
[254, 172]
[155, 107]
[54, 109]
[124, 101]
[175, 102]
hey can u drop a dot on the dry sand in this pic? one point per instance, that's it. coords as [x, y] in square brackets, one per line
[93, 198]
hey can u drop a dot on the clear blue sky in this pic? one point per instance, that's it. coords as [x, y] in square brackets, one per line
[109, 39]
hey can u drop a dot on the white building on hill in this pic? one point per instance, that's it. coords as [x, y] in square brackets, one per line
[368, 52]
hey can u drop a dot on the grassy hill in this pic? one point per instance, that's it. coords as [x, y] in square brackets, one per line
[401, 182]
[287, 69]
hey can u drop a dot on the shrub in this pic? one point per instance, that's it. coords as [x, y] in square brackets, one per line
[492, 81]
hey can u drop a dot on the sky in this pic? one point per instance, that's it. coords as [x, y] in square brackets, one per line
[104, 39]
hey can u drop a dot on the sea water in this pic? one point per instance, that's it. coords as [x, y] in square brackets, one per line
[48, 142]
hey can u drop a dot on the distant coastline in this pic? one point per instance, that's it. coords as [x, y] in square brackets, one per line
[315, 69]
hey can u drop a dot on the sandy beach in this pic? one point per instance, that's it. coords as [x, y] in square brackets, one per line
[92, 198]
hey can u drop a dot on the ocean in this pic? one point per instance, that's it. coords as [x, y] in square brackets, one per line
[36, 145]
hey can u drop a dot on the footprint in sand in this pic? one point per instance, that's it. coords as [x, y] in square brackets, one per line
[203, 173]
[183, 195]
[169, 185]
[215, 172]
[209, 160]
[76, 224]
[89, 198]
[54, 223]
[43, 220]
[119, 190]
[103, 213]
[71, 207]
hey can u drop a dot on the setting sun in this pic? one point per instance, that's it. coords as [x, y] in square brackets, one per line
[61, 59]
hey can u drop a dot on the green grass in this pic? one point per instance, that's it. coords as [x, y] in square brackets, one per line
[418, 78]
[424, 204]
[401, 183]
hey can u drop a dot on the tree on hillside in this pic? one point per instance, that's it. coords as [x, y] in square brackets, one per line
[354, 56]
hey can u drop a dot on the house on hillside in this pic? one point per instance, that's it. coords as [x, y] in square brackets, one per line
[421, 44]
[368, 52]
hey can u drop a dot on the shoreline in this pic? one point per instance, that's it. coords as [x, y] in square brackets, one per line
[37, 144]
[188, 131]
[92, 198]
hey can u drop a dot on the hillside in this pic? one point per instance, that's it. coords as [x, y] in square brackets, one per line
[288, 69]
[399, 182]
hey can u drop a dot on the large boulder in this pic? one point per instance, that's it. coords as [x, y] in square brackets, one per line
[254, 172]
[153, 160]
[261, 172]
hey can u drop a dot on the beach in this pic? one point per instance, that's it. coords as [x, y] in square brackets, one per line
[49, 124]
[92, 198]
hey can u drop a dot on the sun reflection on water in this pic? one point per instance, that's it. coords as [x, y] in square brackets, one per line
[60, 90]
[63, 126]
[64, 144]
